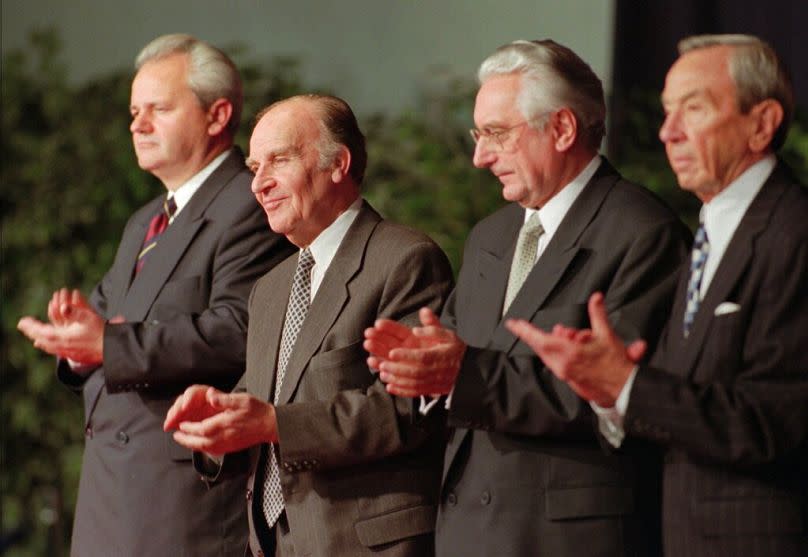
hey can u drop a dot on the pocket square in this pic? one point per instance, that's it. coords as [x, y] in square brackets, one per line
[726, 307]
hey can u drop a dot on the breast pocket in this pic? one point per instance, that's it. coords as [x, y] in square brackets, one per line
[338, 370]
[181, 296]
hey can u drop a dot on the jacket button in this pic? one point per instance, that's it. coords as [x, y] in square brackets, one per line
[122, 437]
[88, 432]
[451, 498]
[249, 494]
[485, 498]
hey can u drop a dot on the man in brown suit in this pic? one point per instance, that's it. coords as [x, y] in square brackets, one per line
[337, 465]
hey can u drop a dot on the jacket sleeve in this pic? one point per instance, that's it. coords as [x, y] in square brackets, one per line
[505, 387]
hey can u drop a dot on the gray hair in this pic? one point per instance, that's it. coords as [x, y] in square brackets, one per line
[757, 72]
[553, 77]
[212, 74]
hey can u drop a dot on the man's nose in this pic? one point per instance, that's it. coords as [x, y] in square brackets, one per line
[483, 156]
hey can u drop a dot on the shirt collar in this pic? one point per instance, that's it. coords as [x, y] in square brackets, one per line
[326, 243]
[724, 212]
[182, 195]
[554, 211]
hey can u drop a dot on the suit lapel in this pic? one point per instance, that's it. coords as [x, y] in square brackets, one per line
[559, 254]
[736, 259]
[493, 265]
[332, 296]
[175, 240]
[266, 326]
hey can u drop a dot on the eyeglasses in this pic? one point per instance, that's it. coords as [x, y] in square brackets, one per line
[500, 136]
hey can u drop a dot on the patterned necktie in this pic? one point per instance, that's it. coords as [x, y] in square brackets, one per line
[698, 258]
[299, 302]
[523, 258]
[157, 226]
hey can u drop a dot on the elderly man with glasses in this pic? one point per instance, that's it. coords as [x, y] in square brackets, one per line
[524, 473]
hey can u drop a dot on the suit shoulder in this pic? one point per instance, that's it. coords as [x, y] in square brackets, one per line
[789, 218]
[394, 235]
[639, 203]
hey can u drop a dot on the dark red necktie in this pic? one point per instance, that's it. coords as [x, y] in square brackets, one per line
[157, 226]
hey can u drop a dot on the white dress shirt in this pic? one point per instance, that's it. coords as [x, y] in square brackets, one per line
[721, 217]
[326, 244]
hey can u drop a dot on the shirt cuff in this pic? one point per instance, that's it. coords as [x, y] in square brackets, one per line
[610, 420]
[425, 406]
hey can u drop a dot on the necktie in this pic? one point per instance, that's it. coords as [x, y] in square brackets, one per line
[157, 226]
[299, 302]
[523, 258]
[698, 258]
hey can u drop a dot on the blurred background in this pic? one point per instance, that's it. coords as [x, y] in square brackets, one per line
[69, 179]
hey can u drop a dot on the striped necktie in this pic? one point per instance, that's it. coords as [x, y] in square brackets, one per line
[698, 259]
[157, 226]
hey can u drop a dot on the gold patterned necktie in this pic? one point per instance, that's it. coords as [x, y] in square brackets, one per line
[524, 257]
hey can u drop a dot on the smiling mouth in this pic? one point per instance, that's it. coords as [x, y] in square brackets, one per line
[272, 204]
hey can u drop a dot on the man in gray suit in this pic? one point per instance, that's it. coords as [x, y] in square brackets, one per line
[524, 473]
[338, 467]
[726, 392]
[170, 312]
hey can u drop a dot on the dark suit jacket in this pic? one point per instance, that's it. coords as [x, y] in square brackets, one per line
[524, 473]
[730, 402]
[360, 469]
[186, 321]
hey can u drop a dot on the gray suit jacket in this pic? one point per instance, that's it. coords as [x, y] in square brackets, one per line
[730, 402]
[186, 321]
[524, 473]
[360, 469]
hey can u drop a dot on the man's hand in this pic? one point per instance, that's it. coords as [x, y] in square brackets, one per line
[75, 331]
[208, 420]
[594, 363]
[422, 361]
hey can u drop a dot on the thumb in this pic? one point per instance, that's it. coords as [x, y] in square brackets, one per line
[598, 319]
[218, 399]
[428, 317]
[636, 350]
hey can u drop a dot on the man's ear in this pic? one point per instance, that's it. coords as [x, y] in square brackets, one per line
[564, 126]
[219, 114]
[767, 115]
[341, 164]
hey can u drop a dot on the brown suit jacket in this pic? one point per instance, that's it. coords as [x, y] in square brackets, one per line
[360, 469]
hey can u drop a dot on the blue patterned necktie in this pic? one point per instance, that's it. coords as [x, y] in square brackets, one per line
[296, 311]
[698, 258]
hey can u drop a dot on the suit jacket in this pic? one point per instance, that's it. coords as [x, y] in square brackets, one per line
[730, 402]
[524, 473]
[360, 469]
[186, 321]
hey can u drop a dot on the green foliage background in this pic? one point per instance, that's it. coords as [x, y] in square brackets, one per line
[70, 180]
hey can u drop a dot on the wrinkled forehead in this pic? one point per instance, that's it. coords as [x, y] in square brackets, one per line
[497, 101]
[700, 71]
[285, 127]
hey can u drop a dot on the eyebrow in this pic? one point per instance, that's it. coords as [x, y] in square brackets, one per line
[289, 150]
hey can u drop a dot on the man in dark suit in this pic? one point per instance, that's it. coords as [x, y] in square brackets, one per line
[726, 392]
[338, 467]
[524, 473]
[170, 312]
